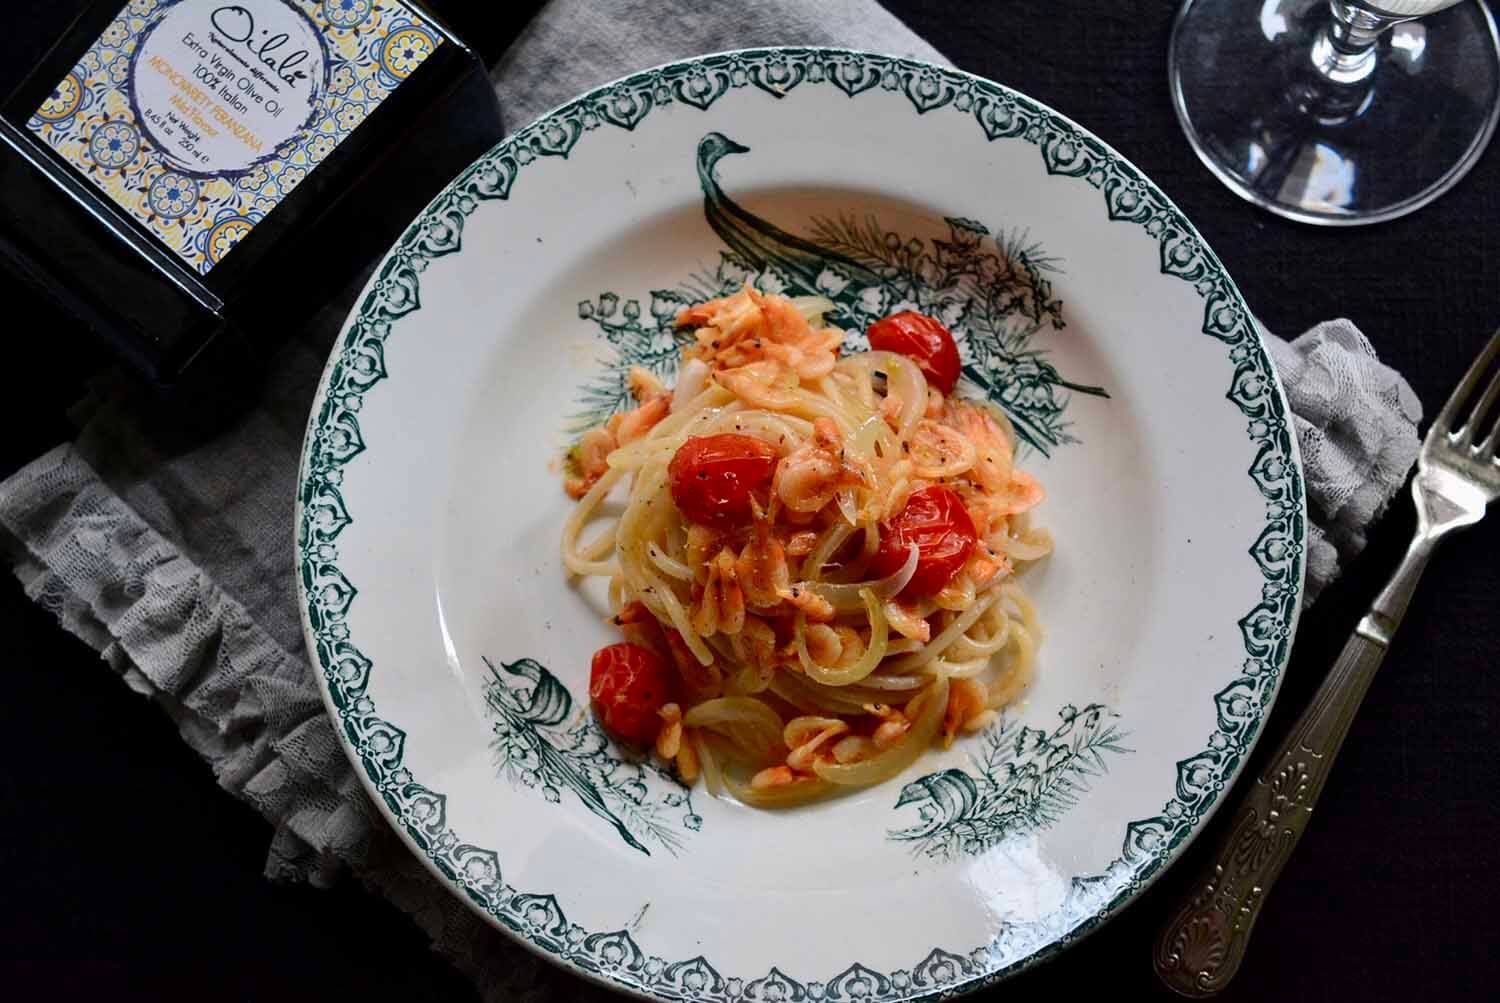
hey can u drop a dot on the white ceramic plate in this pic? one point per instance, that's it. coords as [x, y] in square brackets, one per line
[431, 506]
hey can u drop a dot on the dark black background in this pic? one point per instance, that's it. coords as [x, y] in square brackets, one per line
[125, 872]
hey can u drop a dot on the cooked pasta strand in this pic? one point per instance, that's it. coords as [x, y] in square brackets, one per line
[807, 659]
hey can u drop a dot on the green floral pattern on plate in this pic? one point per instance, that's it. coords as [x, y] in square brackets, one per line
[536, 747]
[1023, 779]
[334, 438]
[990, 289]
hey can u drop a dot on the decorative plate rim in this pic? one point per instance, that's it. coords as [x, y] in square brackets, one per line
[375, 746]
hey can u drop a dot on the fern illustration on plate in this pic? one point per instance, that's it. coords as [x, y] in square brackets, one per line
[535, 747]
[1023, 780]
[991, 288]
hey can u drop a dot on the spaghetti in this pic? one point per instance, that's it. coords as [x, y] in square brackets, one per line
[814, 568]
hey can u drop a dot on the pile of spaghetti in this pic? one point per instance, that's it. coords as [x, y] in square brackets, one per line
[814, 568]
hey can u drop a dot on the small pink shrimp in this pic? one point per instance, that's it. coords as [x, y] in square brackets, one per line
[632, 425]
[808, 478]
[968, 699]
[759, 639]
[810, 604]
[751, 327]
[940, 451]
[893, 724]
[993, 452]
[700, 314]
[773, 776]
[669, 738]
[801, 544]
[792, 341]
[590, 458]
[906, 622]
[719, 604]
[728, 317]
[1021, 493]
[984, 567]
[644, 384]
[852, 748]
[812, 357]
[687, 763]
[762, 569]
[805, 737]
[824, 645]
[640, 626]
[702, 542]
[765, 384]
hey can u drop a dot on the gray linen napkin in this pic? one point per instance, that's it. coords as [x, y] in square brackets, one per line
[1356, 422]
[176, 563]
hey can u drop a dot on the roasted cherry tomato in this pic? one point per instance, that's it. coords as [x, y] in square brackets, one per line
[713, 477]
[937, 522]
[628, 685]
[922, 339]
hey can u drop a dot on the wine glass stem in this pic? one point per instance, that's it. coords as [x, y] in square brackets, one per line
[1345, 51]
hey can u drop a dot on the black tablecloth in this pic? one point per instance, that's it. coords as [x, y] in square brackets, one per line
[125, 871]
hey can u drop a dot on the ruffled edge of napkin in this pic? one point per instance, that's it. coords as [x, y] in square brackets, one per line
[241, 701]
[1356, 422]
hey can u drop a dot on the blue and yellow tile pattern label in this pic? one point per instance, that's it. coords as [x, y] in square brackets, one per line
[198, 116]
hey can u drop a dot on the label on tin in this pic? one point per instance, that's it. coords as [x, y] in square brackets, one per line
[198, 117]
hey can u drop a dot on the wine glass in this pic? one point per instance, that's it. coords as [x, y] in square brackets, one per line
[1337, 112]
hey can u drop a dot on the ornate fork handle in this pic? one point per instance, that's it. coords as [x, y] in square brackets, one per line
[1202, 947]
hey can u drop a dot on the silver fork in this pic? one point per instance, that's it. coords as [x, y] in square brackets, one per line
[1458, 474]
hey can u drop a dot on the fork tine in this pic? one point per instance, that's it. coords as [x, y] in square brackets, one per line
[1486, 449]
[1444, 421]
[1476, 417]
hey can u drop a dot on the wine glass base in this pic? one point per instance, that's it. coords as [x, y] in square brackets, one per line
[1279, 135]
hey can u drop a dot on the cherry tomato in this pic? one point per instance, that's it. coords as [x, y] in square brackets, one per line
[713, 477]
[628, 685]
[937, 522]
[922, 339]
